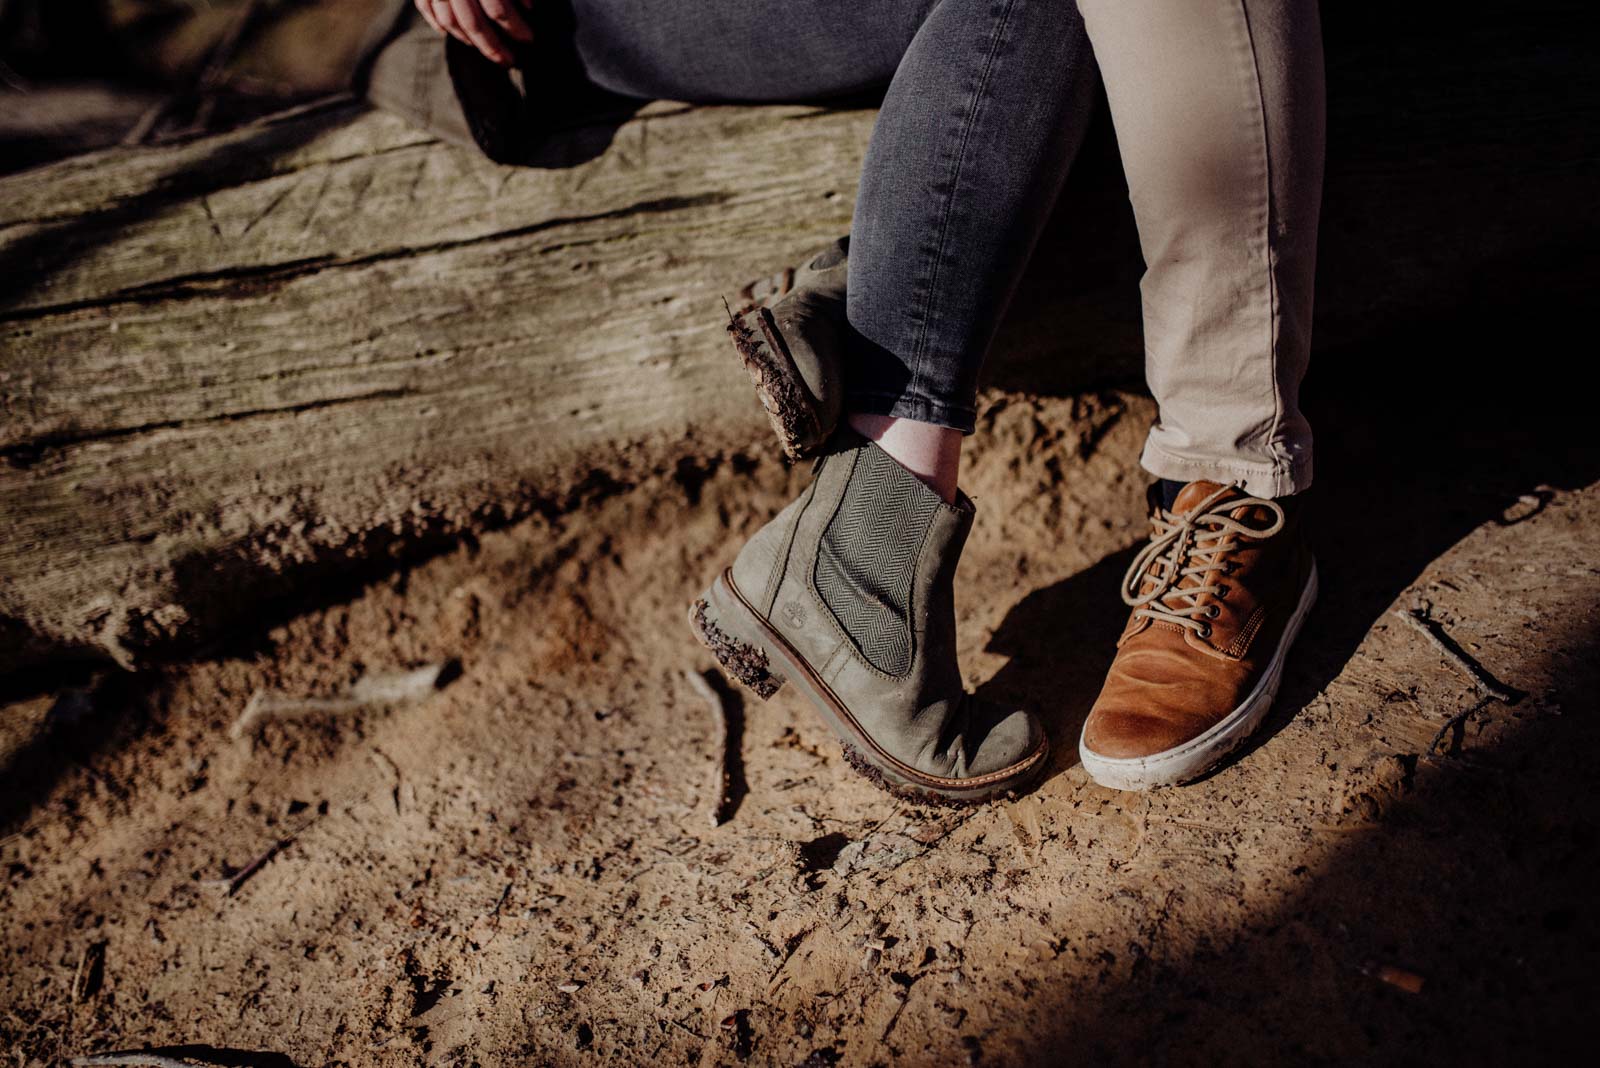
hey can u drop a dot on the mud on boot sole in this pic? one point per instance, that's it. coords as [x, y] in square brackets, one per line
[743, 661]
[916, 795]
[783, 393]
[722, 609]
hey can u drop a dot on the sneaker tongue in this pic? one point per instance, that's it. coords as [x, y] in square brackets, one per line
[1189, 498]
[1195, 493]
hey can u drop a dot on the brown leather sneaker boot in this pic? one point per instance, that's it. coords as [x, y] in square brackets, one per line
[1218, 596]
[848, 594]
[789, 336]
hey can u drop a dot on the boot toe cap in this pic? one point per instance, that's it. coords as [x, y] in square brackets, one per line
[1128, 733]
[1004, 738]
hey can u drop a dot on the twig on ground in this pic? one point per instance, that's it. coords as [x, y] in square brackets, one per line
[905, 996]
[380, 757]
[381, 688]
[876, 827]
[494, 915]
[1485, 682]
[1490, 687]
[722, 810]
[91, 971]
[138, 1058]
[790, 946]
[244, 874]
[679, 1024]
[500, 902]
[1455, 721]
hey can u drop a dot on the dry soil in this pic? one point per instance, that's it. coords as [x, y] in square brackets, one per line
[521, 866]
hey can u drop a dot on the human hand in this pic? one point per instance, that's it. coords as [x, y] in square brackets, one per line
[483, 24]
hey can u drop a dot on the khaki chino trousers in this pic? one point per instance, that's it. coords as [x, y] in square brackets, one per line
[1219, 112]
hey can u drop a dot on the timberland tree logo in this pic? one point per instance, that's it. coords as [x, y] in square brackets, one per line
[794, 614]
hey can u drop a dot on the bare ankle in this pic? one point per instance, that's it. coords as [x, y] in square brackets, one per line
[929, 451]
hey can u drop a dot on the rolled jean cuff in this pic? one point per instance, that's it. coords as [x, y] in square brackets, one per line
[909, 406]
[1260, 480]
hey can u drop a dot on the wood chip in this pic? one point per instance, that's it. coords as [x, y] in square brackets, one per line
[378, 688]
[91, 971]
[1410, 982]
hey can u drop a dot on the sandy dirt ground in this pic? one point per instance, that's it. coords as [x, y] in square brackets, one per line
[521, 866]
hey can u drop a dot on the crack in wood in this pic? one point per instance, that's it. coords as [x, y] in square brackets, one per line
[204, 283]
[166, 192]
[24, 454]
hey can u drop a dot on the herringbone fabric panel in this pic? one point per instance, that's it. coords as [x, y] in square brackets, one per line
[868, 558]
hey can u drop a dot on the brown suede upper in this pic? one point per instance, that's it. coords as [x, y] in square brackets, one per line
[1170, 683]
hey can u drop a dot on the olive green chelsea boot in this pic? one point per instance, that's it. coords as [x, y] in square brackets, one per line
[848, 593]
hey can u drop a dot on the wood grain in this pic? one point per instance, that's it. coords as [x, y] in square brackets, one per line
[275, 349]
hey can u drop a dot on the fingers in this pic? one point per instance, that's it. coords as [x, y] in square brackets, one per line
[504, 14]
[425, 9]
[444, 19]
[479, 31]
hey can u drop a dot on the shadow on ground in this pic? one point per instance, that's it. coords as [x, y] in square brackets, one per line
[1457, 270]
[1458, 252]
[1409, 462]
[1505, 943]
[1443, 395]
[1478, 875]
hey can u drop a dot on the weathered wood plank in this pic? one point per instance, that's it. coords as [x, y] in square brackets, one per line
[373, 189]
[232, 365]
[307, 137]
[286, 336]
[424, 338]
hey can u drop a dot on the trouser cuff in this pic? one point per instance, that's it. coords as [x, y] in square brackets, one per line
[1260, 480]
[906, 406]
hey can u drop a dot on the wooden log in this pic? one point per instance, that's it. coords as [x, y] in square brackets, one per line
[230, 367]
[283, 347]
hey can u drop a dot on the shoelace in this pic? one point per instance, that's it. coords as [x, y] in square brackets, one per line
[1190, 545]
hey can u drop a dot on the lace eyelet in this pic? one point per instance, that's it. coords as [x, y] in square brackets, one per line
[1222, 592]
[1213, 611]
[1204, 631]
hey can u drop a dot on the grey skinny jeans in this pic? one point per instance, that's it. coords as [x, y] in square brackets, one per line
[1218, 106]
[985, 110]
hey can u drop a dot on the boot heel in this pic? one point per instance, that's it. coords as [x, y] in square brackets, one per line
[745, 662]
[778, 384]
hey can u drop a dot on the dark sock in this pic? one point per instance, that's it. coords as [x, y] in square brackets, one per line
[1169, 492]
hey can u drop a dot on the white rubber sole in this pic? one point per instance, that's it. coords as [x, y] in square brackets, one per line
[1197, 756]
